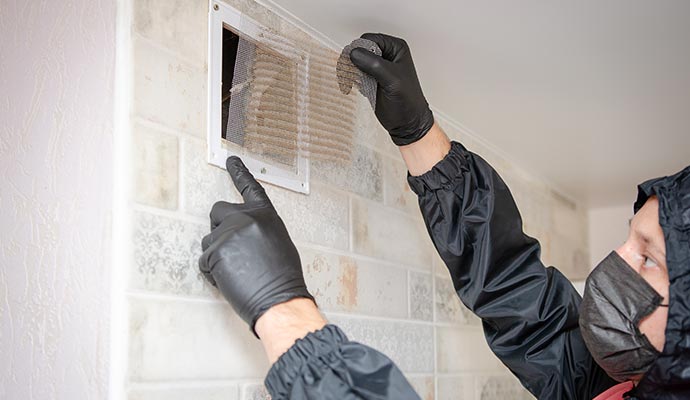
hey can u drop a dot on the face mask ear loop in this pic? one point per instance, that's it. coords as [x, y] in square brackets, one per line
[653, 305]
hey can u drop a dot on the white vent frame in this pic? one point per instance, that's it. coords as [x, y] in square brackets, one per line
[221, 14]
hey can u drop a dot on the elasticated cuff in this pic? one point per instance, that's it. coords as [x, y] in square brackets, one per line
[316, 345]
[444, 173]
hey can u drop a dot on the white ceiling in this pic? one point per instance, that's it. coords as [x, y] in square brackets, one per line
[592, 95]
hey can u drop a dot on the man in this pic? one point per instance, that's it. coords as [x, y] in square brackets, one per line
[629, 337]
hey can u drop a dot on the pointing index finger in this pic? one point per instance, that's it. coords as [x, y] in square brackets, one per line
[249, 188]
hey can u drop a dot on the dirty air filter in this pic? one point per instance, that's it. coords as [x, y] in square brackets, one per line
[348, 74]
[286, 99]
[263, 104]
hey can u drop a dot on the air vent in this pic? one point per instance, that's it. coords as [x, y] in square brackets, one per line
[257, 99]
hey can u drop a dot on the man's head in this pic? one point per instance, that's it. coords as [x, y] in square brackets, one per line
[635, 313]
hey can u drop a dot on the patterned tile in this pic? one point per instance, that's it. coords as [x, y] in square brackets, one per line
[409, 345]
[255, 391]
[166, 255]
[362, 175]
[370, 131]
[179, 25]
[421, 305]
[203, 184]
[155, 163]
[320, 217]
[449, 308]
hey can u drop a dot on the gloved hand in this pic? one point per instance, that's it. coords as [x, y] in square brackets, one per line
[400, 104]
[249, 255]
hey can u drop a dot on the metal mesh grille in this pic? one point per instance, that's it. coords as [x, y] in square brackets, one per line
[263, 109]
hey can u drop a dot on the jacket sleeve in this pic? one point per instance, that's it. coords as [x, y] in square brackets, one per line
[529, 313]
[326, 365]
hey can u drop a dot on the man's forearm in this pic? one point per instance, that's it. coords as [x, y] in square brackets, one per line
[284, 323]
[423, 154]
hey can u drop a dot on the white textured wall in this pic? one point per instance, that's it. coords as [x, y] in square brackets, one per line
[56, 83]
[608, 229]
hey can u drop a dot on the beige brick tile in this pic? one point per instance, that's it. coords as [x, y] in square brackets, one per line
[397, 192]
[424, 386]
[174, 340]
[440, 268]
[389, 235]
[345, 284]
[155, 163]
[206, 391]
[167, 90]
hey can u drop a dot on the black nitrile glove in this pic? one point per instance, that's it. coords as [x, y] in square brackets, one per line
[400, 104]
[249, 255]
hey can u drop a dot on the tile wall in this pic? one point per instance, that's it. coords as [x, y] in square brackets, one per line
[365, 251]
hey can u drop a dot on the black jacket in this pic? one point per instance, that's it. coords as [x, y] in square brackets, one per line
[529, 312]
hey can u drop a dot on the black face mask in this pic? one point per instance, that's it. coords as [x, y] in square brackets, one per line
[616, 299]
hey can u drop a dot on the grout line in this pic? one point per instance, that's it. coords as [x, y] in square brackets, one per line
[175, 214]
[338, 314]
[191, 383]
[355, 196]
[434, 319]
[157, 296]
[359, 256]
[409, 295]
[117, 347]
[139, 294]
[181, 158]
[189, 62]
[161, 127]
[351, 224]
